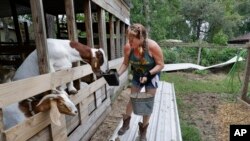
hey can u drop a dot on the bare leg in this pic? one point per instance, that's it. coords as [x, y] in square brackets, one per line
[145, 120]
[127, 116]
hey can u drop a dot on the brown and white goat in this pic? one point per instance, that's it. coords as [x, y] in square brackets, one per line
[62, 53]
[57, 102]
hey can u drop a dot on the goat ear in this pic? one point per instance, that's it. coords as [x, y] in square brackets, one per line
[54, 113]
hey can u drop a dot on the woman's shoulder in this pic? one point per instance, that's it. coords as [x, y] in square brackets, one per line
[152, 44]
[127, 48]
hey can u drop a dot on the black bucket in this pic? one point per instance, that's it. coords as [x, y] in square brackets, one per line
[111, 77]
[142, 103]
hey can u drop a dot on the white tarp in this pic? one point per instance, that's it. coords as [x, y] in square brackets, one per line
[182, 66]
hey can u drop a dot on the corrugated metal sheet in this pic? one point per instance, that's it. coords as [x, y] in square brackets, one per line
[240, 39]
[164, 123]
[183, 66]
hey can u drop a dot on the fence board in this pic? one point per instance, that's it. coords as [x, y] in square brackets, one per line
[90, 121]
[29, 87]
[44, 135]
[59, 133]
[32, 126]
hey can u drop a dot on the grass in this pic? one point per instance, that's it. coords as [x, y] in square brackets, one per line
[197, 83]
[189, 132]
[185, 85]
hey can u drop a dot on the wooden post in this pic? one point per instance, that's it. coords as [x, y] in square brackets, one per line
[26, 30]
[40, 35]
[199, 53]
[58, 34]
[111, 36]
[123, 37]
[244, 90]
[118, 38]
[102, 29]
[15, 19]
[1, 126]
[199, 56]
[69, 7]
[88, 23]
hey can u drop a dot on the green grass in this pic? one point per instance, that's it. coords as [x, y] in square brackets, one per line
[189, 132]
[197, 83]
[186, 85]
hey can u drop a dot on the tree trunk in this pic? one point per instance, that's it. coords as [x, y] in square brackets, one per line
[146, 14]
[198, 31]
[199, 56]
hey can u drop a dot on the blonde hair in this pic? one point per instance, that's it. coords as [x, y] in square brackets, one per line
[138, 31]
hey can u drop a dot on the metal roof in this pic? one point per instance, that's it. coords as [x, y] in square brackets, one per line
[53, 7]
[240, 39]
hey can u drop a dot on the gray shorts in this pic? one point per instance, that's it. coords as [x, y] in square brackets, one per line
[148, 85]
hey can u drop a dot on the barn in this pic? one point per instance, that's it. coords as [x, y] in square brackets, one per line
[102, 26]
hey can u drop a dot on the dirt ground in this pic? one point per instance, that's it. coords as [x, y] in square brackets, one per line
[108, 126]
[211, 113]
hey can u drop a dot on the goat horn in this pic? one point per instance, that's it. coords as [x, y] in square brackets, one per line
[47, 97]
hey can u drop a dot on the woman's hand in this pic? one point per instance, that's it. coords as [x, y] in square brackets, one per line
[143, 79]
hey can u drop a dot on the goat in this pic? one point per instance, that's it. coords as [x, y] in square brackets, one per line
[62, 53]
[61, 56]
[18, 112]
[6, 74]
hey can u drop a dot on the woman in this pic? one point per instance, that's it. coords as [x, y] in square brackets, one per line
[146, 59]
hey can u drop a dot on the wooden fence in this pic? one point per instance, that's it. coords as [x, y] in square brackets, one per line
[92, 101]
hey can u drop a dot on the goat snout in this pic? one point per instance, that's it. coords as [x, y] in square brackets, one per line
[76, 112]
[73, 113]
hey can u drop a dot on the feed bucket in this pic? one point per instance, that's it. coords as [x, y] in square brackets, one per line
[111, 77]
[142, 103]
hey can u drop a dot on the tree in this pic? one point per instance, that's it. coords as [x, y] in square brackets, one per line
[243, 9]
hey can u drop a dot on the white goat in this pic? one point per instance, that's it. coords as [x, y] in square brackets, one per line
[62, 53]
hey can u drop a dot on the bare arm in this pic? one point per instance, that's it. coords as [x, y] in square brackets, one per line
[157, 54]
[125, 63]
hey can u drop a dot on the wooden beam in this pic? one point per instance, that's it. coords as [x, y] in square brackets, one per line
[29, 87]
[88, 23]
[118, 38]
[26, 30]
[69, 7]
[58, 34]
[197, 45]
[96, 124]
[83, 129]
[102, 29]
[116, 7]
[72, 34]
[111, 36]
[15, 19]
[28, 128]
[123, 37]
[40, 35]
[1, 126]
